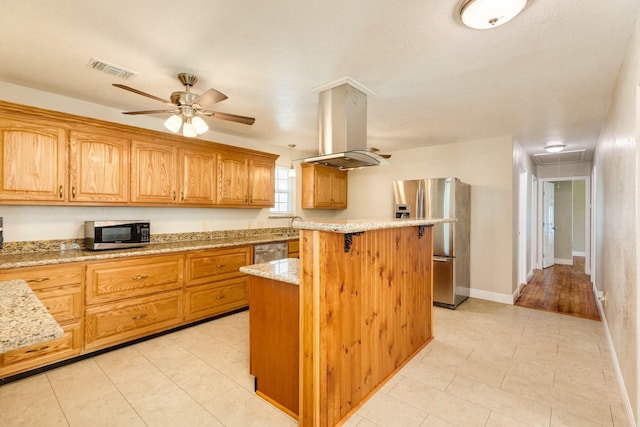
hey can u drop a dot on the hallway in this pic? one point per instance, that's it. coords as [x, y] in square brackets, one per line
[562, 289]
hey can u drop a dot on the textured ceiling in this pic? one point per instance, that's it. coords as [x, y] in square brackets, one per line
[547, 75]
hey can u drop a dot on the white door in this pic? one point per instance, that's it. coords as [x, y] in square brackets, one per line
[548, 226]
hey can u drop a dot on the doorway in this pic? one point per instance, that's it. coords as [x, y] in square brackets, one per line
[564, 226]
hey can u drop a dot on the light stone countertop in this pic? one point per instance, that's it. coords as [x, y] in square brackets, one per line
[283, 270]
[29, 259]
[358, 225]
[24, 320]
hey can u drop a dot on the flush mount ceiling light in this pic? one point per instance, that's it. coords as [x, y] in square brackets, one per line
[555, 148]
[484, 14]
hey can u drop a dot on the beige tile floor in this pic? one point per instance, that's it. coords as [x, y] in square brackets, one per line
[489, 365]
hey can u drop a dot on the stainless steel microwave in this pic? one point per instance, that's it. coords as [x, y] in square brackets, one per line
[99, 235]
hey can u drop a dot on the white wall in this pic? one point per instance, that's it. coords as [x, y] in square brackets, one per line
[617, 242]
[484, 164]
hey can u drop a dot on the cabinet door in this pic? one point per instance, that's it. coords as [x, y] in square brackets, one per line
[339, 190]
[99, 170]
[261, 183]
[153, 172]
[232, 180]
[33, 161]
[197, 177]
[323, 188]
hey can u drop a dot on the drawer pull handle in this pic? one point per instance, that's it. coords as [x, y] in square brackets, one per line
[40, 280]
[139, 277]
[221, 265]
[37, 349]
[142, 316]
[73, 192]
[220, 297]
[60, 192]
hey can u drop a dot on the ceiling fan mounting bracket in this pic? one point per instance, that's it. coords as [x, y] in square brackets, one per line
[187, 79]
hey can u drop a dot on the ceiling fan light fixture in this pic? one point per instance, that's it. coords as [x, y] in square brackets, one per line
[188, 129]
[199, 125]
[173, 123]
[555, 148]
[485, 14]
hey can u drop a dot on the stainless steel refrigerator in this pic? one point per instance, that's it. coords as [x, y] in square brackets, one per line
[442, 198]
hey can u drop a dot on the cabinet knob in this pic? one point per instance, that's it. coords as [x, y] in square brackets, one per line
[139, 277]
[142, 316]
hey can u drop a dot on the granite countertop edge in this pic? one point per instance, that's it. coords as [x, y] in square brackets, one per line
[30, 259]
[283, 270]
[355, 226]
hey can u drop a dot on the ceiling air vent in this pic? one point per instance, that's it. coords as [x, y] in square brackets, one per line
[110, 69]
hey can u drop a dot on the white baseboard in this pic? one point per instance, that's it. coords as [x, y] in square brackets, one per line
[579, 253]
[616, 366]
[529, 276]
[493, 296]
[563, 261]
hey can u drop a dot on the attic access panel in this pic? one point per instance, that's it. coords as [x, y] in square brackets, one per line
[575, 156]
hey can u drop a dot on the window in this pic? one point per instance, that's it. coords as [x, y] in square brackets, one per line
[285, 187]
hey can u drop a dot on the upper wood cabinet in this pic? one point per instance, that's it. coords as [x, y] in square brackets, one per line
[33, 162]
[99, 168]
[197, 176]
[244, 180]
[323, 187]
[163, 174]
[153, 172]
[49, 158]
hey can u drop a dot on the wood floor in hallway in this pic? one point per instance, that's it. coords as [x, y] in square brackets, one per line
[563, 289]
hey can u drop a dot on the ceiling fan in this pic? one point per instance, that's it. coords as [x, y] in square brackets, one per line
[187, 107]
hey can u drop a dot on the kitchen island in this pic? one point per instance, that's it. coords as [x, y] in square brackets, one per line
[365, 301]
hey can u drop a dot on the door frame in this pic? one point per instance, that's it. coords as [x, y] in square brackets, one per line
[588, 223]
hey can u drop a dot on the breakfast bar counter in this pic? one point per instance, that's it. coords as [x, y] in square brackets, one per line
[365, 309]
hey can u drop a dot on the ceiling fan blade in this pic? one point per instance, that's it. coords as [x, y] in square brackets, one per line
[209, 98]
[139, 92]
[133, 113]
[229, 117]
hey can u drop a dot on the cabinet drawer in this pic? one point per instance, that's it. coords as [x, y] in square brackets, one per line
[208, 300]
[216, 264]
[125, 278]
[34, 356]
[64, 303]
[48, 276]
[115, 323]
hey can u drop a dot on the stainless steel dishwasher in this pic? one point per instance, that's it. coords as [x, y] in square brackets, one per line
[270, 251]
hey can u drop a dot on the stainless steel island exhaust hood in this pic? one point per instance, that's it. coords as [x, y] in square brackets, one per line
[342, 123]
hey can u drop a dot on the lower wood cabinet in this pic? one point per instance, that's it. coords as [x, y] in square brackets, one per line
[105, 303]
[214, 284]
[60, 288]
[121, 321]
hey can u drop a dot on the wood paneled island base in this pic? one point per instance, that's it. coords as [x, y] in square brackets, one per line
[365, 310]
